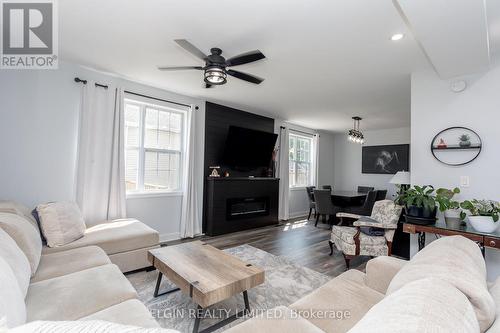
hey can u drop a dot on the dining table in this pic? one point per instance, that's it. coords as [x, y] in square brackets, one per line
[348, 198]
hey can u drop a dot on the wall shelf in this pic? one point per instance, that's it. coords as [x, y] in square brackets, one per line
[457, 148]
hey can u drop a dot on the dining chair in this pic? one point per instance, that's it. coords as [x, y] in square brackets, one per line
[327, 187]
[367, 207]
[312, 203]
[324, 205]
[381, 195]
[370, 236]
[365, 189]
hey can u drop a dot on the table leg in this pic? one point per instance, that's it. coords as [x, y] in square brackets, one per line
[157, 288]
[421, 240]
[223, 322]
[247, 304]
[197, 320]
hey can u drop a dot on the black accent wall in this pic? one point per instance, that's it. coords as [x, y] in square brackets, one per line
[218, 119]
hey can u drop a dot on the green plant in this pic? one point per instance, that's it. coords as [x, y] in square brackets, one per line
[481, 208]
[464, 137]
[444, 198]
[424, 196]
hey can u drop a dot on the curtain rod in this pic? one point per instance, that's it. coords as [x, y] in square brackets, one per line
[294, 130]
[78, 80]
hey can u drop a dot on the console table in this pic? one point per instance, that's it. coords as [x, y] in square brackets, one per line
[452, 227]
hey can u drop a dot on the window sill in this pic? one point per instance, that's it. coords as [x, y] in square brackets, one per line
[153, 195]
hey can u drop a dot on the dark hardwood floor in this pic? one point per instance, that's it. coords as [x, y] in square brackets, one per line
[298, 240]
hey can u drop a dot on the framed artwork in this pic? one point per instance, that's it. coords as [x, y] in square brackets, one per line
[387, 159]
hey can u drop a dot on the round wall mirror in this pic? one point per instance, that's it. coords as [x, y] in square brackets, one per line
[456, 146]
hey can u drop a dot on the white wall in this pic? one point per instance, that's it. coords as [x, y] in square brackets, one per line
[347, 161]
[39, 133]
[433, 108]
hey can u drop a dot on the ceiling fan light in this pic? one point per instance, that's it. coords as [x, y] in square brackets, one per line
[215, 76]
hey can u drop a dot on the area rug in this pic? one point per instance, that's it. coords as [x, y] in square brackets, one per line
[285, 283]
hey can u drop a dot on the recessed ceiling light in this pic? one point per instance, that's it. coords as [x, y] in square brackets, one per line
[396, 37]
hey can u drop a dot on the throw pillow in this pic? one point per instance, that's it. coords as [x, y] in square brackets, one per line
[61, 222]
[12, 307]
[25, 235]
[17, 260]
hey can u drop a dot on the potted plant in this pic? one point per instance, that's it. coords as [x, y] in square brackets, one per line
[483, 214]
[464, 140]
[421, 202]
[450, 207]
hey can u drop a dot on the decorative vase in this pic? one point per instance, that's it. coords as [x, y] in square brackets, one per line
[483, 223]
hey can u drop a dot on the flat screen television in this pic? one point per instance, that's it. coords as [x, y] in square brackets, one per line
[248, 149]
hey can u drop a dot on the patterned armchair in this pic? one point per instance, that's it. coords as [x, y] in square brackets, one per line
[352, 242]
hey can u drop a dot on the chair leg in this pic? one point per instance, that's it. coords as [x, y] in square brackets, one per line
[317, 219]
[309, 216]
[331, 247]
[347, 261]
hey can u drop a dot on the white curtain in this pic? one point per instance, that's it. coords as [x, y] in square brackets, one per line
[316, 160]
[191, 212]
[100, 183]
[283, 174]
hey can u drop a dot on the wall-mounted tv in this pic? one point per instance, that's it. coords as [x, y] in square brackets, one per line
[246, 148]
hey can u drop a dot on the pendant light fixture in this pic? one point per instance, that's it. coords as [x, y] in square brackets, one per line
[354, 134]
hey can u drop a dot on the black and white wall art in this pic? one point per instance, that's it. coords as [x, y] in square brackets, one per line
[387, 159]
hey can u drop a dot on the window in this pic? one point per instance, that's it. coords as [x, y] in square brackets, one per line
[153, 147]
[301, 164]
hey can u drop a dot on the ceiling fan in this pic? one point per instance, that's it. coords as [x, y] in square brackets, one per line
[215, 68]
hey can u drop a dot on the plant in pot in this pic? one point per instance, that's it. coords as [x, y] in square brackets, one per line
[450, 207]
[483, 214]
[464, 140]
[421, 203]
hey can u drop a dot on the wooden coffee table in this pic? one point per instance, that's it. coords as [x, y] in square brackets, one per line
[208, 275]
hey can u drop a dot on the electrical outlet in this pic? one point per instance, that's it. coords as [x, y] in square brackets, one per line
[464, 181]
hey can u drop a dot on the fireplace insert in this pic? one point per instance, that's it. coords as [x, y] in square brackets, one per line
[242, 208]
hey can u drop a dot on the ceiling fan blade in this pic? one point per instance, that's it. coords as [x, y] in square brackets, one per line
[245, 76]
[245, 58]
[191, 48]
[177, 68]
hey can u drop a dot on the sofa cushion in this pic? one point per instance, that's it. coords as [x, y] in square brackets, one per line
[279, 319]
[427, 305]
[131, 312]
[94, 326]
[114, 237]
[17, 261]
[345, 295]
[18, 209]
[12, 308]
[458, 261]
[25, 235]
[78, 294]
[495, 293]
[61, 222]
[62, 263]
[381, 270]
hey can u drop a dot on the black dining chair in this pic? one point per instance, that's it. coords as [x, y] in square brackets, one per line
[381, 194]
[324, 205]
[367, 207]
[365, 189]
[312, 203]
[327, 187]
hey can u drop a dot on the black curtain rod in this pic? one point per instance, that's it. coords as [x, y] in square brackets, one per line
[294, 130]
[78, 80]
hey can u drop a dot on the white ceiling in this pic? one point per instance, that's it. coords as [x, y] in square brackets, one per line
[327, 60]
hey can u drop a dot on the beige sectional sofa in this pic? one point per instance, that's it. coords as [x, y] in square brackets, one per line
[80, 281]
[442, 289]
